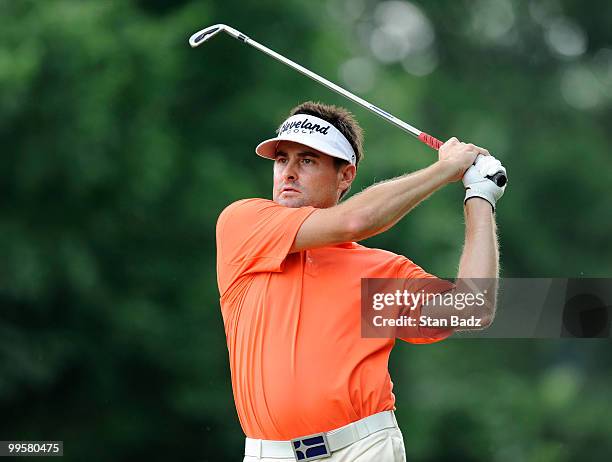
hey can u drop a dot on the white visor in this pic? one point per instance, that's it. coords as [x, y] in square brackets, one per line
[313, 132]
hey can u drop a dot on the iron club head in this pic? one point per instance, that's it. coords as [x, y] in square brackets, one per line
[205, 34]
[202, 35]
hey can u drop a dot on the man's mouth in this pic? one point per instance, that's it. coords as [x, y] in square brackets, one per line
[288, 189]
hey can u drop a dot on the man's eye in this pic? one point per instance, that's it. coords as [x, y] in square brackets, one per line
[282, 160]
[307, 161]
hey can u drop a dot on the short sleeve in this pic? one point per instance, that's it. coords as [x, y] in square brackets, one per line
[417, 279]
[255, 235]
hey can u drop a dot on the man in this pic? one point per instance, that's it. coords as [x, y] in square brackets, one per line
[305, 382]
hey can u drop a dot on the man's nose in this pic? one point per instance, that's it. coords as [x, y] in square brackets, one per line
[290, 172]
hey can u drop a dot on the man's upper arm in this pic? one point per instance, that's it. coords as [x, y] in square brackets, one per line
[255, 235]
[417, 280]
[323, 227]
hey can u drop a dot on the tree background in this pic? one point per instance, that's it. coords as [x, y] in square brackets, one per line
[121, 145]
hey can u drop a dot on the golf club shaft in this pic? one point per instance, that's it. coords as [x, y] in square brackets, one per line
[205, 34]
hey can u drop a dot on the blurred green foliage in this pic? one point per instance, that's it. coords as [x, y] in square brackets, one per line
[121, 145]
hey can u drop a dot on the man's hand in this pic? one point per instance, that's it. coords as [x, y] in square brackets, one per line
[456, 157]
[478, 185]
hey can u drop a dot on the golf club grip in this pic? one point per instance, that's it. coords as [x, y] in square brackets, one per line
[499, 178]
[430, 141]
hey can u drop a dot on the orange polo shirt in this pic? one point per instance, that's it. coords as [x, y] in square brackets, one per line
[299, 364]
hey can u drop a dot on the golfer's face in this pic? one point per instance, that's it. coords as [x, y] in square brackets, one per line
[304, 176]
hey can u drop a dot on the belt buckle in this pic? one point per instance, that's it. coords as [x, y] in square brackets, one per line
[311, 447]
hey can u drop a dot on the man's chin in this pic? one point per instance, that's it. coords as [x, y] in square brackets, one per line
[292, 202]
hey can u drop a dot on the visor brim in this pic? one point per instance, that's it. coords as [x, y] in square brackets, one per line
[267, 148]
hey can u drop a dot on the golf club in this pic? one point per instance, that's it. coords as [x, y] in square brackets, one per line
[205, 34]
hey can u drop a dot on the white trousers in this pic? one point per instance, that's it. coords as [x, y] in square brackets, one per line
[383, 446]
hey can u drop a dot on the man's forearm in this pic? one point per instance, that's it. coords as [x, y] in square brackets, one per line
[479, 263]
[478, 269]
[380, 206]
[480, 257]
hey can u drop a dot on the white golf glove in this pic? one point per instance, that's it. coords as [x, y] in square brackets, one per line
[477, 184]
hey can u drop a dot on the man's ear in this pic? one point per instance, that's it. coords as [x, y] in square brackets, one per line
[347, 175]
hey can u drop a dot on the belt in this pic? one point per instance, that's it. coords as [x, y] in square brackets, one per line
[320, 445]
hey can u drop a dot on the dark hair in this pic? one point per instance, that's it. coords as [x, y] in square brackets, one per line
[340, 118]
